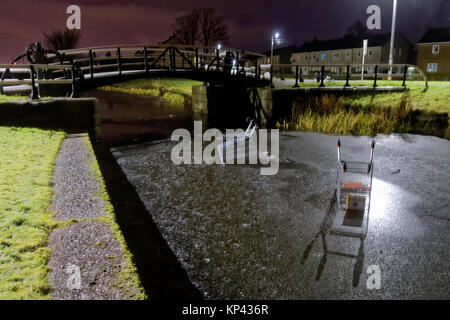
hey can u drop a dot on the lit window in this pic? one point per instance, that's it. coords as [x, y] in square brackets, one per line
[358, 69]
[432, 67]
[435, 48]
[298, 58]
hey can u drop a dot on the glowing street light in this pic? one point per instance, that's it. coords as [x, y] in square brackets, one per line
[274, 38]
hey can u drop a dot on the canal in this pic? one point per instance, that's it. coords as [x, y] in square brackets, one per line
[238, 235]
[128, 118]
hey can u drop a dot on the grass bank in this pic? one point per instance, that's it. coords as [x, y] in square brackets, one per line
[27, 157]
[4, 98]
[335, 115]
[435, 98]
[174, 90]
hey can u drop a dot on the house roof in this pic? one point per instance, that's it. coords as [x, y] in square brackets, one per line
[374, 40]
[436, 35]
[282, 50]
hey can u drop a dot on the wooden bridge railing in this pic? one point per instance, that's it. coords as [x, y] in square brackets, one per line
[72, 66]
[148, 58]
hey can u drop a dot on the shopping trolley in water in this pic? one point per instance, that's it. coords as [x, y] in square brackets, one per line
[348, 213]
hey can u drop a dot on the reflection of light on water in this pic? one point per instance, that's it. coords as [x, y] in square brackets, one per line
[389, 206]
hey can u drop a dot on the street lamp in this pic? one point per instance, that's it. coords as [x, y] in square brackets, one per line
[391, 50]
[275, 38]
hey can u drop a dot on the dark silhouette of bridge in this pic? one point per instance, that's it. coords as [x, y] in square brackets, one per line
[87, 68]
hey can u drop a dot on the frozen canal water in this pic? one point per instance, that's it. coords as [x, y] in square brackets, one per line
[241, 235]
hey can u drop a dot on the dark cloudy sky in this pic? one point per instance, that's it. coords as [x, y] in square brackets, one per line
[250, 22]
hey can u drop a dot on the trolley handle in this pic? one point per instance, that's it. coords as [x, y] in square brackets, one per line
[339, 149]
[372, 146]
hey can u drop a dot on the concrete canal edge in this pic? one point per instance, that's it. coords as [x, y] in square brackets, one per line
[88, 243]
[80, 114]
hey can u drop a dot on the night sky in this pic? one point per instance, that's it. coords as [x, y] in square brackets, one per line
[250, 22]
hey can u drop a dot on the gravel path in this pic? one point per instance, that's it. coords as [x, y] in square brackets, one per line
[75, 190]
[88, 245]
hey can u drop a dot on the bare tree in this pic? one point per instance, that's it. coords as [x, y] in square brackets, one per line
[200, 25]
[212, 27]
[62, 40]
[186, 27]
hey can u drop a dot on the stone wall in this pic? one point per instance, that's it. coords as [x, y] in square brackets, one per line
[56, 113]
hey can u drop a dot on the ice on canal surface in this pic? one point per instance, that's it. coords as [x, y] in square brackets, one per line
[241, 235]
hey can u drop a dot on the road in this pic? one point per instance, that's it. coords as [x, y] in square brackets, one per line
[241, 235]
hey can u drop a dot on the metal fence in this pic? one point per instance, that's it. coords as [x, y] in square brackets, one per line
[347, 72]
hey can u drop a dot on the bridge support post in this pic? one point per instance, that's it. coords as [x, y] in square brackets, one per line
[237, 63]
[322, 76]
[74, 89]
[119, 63]
[91, 63]
[271, 76]
[296, 77]
[347, 77]
[34, 90]
[146, 60]
[375, 77]
[174, 61]
[196, 59]
[405, 69]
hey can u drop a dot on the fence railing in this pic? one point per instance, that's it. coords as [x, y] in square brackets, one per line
[347, 72]
[38, 74]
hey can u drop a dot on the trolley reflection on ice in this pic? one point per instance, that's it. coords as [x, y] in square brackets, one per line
[348, 213]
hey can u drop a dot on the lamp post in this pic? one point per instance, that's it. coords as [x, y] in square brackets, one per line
[274, 37]
[391, 50]
[364, 53]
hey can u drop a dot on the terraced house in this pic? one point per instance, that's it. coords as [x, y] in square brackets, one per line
[434, 53]
[348, 50]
